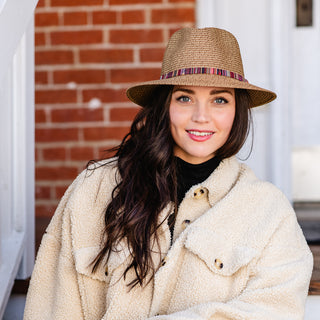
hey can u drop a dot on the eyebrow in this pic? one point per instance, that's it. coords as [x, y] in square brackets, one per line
[212, 92]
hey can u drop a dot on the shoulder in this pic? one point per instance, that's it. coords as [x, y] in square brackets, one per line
[98, 174]
[92, 189]
[88, 201]
[236, 182]
[247, 194]
[261, 203]
[256, 209]
[260, 190]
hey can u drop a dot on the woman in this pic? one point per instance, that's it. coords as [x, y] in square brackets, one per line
[175, 227]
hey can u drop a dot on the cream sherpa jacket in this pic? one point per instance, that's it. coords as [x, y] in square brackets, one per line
[237, 253]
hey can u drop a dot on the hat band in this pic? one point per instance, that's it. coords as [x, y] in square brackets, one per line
[220, 72]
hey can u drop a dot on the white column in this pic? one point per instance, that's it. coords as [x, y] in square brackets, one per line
[16, 143]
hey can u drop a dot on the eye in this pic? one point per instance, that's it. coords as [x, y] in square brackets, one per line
[183, 99]
[220, 100]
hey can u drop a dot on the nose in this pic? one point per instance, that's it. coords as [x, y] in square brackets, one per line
[201, 112]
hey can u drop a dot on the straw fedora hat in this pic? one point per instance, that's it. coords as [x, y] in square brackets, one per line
[201, 57]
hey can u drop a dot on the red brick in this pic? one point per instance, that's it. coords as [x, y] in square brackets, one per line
[106, 56]
[134, 75]
[105, 95]
[76, 115]
[43, 192]
[104, 133]
[56, 135]
[54, 154]
[69, 3]
[151, 54]
[104, 17]
[40, 116]
[39, 39]
[45, 19]
[134, 16]
[82, 153]
[75, 18]
[79, 76]
[136, 36]
[106, 153]
[56, 173]
[181, 1]
[53, 57]
[76, 37]
[41, 3]
[45, 210]
[173, 30]
[123, 114]
[41, 77]
[36, 154]
[118, 2]
[175, 15]
[55, 96]
[60, 191]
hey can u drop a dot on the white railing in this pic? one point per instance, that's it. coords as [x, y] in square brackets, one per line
[16, 143]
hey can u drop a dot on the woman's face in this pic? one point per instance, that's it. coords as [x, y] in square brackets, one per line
[201, 121]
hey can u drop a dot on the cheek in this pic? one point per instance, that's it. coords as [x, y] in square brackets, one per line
[176, 118]
[225, 121]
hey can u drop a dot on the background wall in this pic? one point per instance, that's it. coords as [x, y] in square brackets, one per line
[306, 111]
[87, 53]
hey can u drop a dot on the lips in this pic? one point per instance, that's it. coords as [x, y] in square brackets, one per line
[199, 135]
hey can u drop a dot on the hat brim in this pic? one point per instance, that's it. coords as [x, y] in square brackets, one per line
[142, 93]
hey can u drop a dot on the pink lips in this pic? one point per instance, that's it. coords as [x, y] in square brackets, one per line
[200, 136]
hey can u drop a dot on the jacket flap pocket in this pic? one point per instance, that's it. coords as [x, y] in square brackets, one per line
[219, 253]
[83, 261]
[85, 256]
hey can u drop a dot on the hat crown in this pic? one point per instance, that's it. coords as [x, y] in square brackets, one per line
[207, 47]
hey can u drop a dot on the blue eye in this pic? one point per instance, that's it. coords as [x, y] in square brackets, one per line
[220, 101]
[183, 99]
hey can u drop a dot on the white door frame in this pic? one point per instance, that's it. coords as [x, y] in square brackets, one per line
[273, 125]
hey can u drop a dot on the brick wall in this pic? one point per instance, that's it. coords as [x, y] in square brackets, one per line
[87, 53]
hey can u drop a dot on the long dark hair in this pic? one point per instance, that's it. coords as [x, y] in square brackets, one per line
[146, 165]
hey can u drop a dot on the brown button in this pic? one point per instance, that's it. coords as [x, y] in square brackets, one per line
[199, 193]
[185, 223]
[218, 264]
[106, 271]
[164, 261]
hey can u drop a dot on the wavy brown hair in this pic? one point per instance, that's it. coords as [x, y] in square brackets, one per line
[146, 165]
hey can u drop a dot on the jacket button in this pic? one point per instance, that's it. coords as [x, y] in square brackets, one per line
[163, 261]
[218, 264]
[106, 271]
[199, 193]
[185, 223]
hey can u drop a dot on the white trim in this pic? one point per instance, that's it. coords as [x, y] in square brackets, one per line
[12, 251]
[281, 20]
[23, 152]
[17, 145]
[15, 16]
[204, 13]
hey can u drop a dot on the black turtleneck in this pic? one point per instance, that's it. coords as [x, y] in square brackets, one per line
[189, 174]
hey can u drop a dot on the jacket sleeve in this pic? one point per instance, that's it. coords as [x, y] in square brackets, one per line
[278, 288]
[53, 286]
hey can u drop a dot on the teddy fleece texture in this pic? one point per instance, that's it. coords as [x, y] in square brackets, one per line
[237, 253]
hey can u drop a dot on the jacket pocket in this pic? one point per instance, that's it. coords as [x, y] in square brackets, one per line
[219, 253]
[85, 256]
